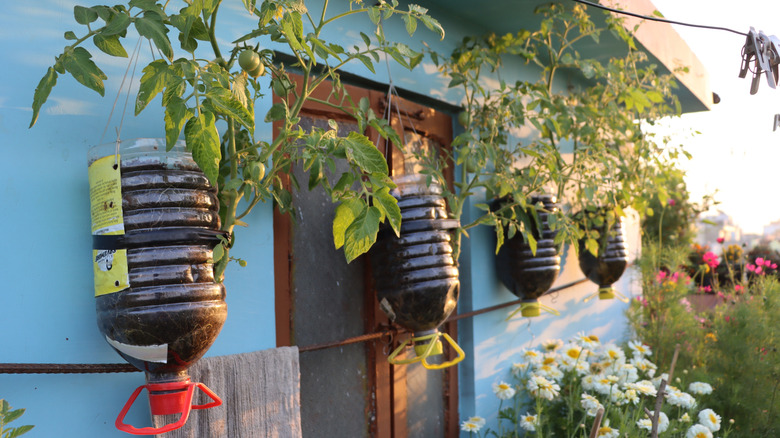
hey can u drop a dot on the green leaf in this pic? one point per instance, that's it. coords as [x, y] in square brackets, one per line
[117, 25]
[42, 93]
[84, 15]
[593, 246]
[374, 14]
[499, 235]
[411, 24]
[78, 63]
[203, 140]
[226, 103]
[12, 415]
[367, 62]
[110, 45]
[20, 430]
[361, 234]
[389, 207]
[277, 112]
[219, 252]
[432, 24]
[363, 152]
[176, 113]
[151, 26]
[346, 213]
[154, 79]
[70, 36]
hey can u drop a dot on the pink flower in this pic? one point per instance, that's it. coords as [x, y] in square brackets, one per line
[721, 296]
[738, 288]
[705, 289]
[710, 259]
[774, 266]
[686, 304]
[660, 276]
[759, 270]
[760, 261]
[721, 239]
[672, 202]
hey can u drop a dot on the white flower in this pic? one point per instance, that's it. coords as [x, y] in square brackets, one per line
[613, 353]
[549, 371]
[468, 426]
[643, 387]
[645, 423]
[589, 382]
[552, 344]
[699, 388]
[590, 404]
[518, 369]
[479, 421]
[572, 351]
[685, 418]
[698, 431]
[608, 432]
[626, 373]
[606, 385]
[529, 422]
[631, 396]
[657, 380]
[541, 387]
[530, 355]
[663, 421]
[682, 399]
[644, 365]
[709, 418]
[639, 348]
[587, 341]
[503, 390]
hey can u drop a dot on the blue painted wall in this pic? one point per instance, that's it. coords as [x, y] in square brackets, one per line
[48, 305]
[48, 309]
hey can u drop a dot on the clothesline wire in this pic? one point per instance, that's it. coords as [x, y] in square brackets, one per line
[662, 20]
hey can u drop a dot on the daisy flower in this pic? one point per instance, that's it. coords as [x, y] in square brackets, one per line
[590, 404]
[572, 351]
[643, 387]
[682, 399]
[685, 418]
[518, 369]
[631, 396]
[608, 432]
[530, 355]
[469, 426]
[503, 390]
[698, 431]
[552, 344]
[663, 421]
[699, 388]
[529, 422]
[710, 419]
[639, 348]
[479, 421]
[645, 423]
[587, 341]
[613, 353]
[541, 387]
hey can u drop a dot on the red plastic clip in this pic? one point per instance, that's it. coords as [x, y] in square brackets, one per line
[166, 399]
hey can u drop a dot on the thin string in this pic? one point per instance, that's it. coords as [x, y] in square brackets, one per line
[662, 20]
[133, 57]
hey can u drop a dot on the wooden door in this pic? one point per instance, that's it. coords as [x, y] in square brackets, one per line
[351, 390]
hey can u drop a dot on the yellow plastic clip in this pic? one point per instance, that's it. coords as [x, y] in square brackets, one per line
[531, 309]
[432, 348]
[607, 293]
[455, 346]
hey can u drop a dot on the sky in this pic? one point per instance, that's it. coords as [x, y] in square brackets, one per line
[737, 152]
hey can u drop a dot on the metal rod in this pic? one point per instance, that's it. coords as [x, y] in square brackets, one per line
[74, 368]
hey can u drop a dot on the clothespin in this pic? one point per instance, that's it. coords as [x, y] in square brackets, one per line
[769, 58]
[752, 51]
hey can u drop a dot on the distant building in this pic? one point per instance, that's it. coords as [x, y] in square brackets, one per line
[772, 231]
[712, 227]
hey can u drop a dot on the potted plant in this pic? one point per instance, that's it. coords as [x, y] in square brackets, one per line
[211, 101]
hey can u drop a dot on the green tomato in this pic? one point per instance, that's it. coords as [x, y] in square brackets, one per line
[258, 171]
[249, 60]
[464, 119]
[258, 71]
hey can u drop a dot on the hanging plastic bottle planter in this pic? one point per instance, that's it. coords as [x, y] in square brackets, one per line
[415, 275]
[527, 274]
[609, 266]
[155, 223]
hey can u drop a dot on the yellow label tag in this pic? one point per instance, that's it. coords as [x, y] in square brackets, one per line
[110, 267]
[105, 195]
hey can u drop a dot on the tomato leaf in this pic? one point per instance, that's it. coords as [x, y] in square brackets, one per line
[84, 15]
[362, 151]
[78, 63]
[117, 25]
[176, 113]
[110, 45]
[202, 139]
[151, 26]
[346, 213]
[226, 103]
[389, 206]
[42, 93]
[154, 79]
[361, 234]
